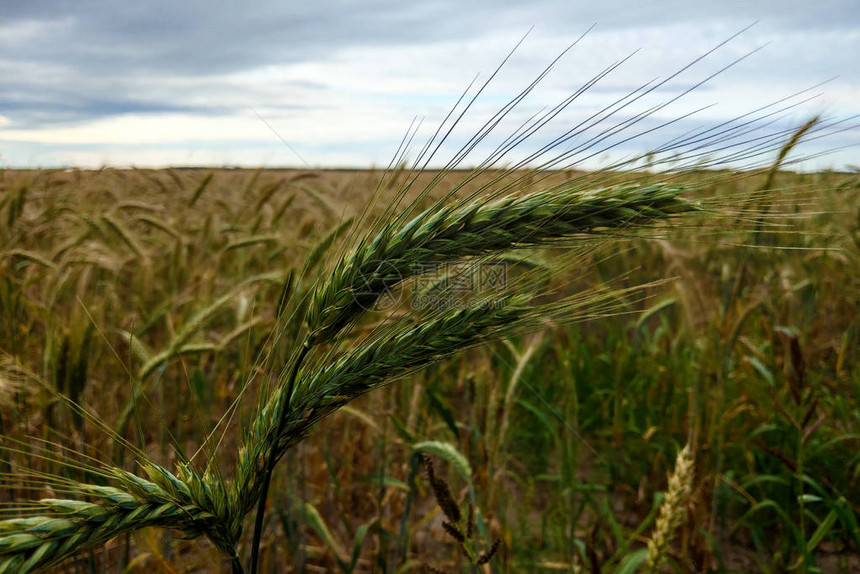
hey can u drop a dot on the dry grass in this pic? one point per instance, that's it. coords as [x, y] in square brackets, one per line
[170, 337]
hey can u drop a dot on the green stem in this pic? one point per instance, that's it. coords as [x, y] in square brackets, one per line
[802, 503]
[272, 458]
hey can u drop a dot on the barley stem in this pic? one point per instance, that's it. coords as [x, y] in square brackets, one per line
[271, 461]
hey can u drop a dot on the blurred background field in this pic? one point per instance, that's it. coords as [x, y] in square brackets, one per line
[149, 297]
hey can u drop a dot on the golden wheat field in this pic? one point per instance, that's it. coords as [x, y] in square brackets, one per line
[679, 394]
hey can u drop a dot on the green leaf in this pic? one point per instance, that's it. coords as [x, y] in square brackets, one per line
[664, 303]
[315, 521]
[387, 481]
[401, 429]
[541, 416]
[198, 384]
[848, 519]
[786, 519]
[616, 528]
[438, 405]
[358, 542]
[760, 368]
[822, 530]
[632, 561]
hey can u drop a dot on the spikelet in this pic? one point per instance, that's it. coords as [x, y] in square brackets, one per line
[672, 511]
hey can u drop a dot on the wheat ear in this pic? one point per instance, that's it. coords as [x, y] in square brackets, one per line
[672, 511]
[468, 228]
[59, 528]
[477, 228]
[286, 420]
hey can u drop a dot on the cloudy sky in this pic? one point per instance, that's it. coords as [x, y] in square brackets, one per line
[339, 83]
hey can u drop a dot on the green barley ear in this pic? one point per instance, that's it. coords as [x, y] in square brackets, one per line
[16, 380]
[71, 367]
[285, 296]
[478, 228]
[79, 373]
[127, 237]
[201, 187]
[267, 192]
[251, 182]
[672, 511]
[52, 530]
[16, 205]
[279, 212]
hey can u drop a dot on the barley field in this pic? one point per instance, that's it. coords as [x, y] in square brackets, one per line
[186, 357]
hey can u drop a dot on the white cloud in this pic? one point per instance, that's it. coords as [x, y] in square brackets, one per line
[22, 32]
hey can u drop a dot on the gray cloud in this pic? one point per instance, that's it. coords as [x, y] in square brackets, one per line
[66, 62]
[202, 38]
